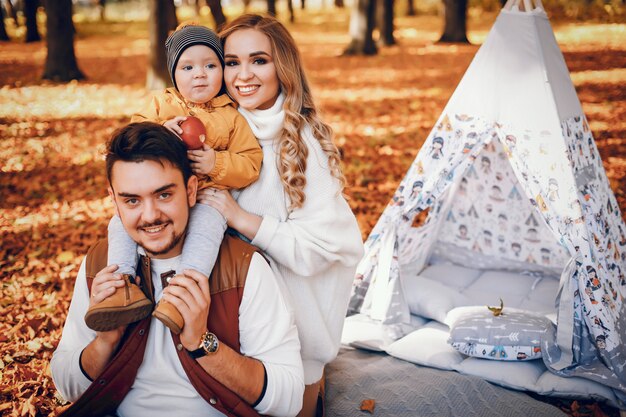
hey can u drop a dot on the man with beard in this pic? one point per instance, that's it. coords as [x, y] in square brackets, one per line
[238, 351]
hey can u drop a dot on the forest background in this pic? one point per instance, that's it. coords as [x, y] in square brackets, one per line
[382, 105]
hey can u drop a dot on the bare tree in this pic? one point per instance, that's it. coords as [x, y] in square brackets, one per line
[102, 6]
[292, 17]
[162, 21]
[339, 4]
[410, 10]
[10, 10]
[455, 29]
[362, 22]
[218, 13]
[271, 7]
[4, 36]
[60, 60]
[30, 15]
[385, 20]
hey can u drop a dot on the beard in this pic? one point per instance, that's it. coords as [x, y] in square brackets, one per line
[174, 240]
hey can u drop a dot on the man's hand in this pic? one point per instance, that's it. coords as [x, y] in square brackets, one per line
[202, 160]
[98, 353]
[190, 295]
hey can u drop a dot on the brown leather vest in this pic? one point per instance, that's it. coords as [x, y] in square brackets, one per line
[226, 283]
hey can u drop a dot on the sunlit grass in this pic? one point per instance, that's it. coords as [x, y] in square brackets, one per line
[70, 100]
[612, 76]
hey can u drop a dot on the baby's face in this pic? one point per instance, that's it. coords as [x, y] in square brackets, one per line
[198, 74]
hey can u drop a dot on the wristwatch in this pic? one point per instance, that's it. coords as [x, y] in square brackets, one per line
[208, 346]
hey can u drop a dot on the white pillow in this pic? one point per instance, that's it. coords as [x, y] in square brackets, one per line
[427, 346]
[363, 332]
[454, 276]
[431, 299]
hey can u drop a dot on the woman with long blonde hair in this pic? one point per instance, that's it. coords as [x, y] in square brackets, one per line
[295, 212]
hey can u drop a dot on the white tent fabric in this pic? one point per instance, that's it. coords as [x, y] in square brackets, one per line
[514, 132]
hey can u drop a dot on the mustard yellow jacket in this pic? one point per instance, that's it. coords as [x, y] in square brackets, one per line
[238, 155]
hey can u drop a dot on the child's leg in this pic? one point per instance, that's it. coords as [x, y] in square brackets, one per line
[204, 236]
[122, 249]
[205, 232]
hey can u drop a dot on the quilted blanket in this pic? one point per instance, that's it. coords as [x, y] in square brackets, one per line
[403, 389]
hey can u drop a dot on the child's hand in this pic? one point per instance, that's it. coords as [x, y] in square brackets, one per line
[202, 160]
[174, 124]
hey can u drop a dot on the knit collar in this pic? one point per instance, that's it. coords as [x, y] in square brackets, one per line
[218, 101]
[266, 124]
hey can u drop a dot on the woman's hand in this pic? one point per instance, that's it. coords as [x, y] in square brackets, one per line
[245, 223]
[202, 160]
[222, 201]
[174, 124]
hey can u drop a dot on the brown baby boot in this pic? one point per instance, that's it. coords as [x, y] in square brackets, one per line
[127, 305]
[169, 315]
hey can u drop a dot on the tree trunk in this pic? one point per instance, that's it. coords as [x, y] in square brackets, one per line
[339, 4]
[60, 60]
[362, 21]
[386, 23]
[30, 15]
[11, 11]
[410, 11]
[162, 21]
[198, 7]
[455, 29]
[271, 7]
[292, 17]
[102, 6]
[4, 36]
[218, 13]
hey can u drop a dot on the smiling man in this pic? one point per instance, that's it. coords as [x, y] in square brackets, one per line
[238, 353]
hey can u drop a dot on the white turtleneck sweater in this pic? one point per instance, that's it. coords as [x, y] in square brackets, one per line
[315, 248]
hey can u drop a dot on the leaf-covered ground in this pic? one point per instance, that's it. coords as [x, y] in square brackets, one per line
[53, 200]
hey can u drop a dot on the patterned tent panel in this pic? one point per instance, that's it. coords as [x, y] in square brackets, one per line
[512, 150]
[492, 215]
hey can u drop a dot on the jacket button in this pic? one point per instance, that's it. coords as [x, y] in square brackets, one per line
[102, 381]
[212, 401]
[141, 332]
[179, 346]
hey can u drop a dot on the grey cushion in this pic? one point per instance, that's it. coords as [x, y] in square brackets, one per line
[513, 335]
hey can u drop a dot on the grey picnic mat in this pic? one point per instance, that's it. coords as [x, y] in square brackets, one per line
[402, 389]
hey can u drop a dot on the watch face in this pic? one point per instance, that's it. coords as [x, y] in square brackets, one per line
[209, 343]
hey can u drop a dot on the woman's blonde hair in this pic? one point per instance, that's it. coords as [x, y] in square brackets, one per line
[299, 107]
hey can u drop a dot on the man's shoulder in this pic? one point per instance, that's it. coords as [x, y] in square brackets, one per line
[233, 262]
[96, 258]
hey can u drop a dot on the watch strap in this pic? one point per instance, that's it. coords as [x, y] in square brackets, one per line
[195, 354]
[208, 345]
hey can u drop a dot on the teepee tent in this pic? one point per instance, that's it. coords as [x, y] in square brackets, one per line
[510, 177]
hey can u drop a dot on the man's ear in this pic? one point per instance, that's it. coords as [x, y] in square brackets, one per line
[192, 190]
[112, 197]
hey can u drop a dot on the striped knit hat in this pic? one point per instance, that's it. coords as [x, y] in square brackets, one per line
[186, 35]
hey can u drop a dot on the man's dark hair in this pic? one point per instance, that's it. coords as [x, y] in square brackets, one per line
[147, 141]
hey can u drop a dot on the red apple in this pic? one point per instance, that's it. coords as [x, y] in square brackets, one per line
[194, 133]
